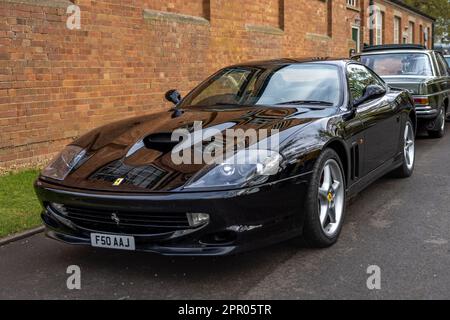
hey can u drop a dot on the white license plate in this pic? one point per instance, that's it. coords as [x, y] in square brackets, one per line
[112, 241]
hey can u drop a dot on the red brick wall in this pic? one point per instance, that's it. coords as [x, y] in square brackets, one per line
[56, 83]
[191, 7]
[267, 14]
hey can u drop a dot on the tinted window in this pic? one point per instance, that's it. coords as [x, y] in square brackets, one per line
[359, 77]
[443, 67]
[225, 88]
[399, 64]
[448, 60]
[270, 86]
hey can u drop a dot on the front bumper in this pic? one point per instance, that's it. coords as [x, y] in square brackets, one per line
[240, 220]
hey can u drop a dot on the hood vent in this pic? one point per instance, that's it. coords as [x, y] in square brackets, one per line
[160, 141]
[143, 177]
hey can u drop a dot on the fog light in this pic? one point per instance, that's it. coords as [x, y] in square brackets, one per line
[59, 208]
[197, 219]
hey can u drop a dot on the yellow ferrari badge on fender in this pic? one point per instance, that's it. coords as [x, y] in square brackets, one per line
[118, 182]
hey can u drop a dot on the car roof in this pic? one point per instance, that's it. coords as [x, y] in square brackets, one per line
[290, 61]
[393, 52]
[383, 47]
[394, 48]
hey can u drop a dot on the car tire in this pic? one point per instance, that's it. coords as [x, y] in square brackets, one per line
[409, 152]
[320, 231]
[437, 134]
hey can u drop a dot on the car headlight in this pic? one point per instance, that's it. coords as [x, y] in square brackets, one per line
[64, 163]
[246, 168]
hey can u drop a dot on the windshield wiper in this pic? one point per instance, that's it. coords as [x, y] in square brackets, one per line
[315, 102]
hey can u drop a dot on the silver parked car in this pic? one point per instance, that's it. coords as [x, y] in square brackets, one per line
[424, 73]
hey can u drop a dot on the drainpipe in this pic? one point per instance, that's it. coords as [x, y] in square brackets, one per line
[371, 31]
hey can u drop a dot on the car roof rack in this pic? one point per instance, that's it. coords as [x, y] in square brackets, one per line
[393, 47]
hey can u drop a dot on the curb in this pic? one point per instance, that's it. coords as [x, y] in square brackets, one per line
[21, 235]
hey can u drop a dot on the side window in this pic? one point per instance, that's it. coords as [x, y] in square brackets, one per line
[442, 65]
[359, 77]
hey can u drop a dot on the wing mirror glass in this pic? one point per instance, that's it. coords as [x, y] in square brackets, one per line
[173, 96]
[371, 92]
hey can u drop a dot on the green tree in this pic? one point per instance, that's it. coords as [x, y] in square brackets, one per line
[439, 9]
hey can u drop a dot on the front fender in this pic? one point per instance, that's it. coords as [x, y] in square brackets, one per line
[302, 149]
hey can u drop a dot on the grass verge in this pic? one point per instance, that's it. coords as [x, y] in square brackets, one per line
[19, 207]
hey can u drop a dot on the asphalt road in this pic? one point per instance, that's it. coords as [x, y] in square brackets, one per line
[402, 226]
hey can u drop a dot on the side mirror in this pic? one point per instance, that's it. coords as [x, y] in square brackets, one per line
[173, 96]
[372, 91]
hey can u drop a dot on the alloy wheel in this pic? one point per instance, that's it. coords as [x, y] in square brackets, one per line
[409, 148]
[331, 197]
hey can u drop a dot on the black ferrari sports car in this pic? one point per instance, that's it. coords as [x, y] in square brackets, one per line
[316, 132]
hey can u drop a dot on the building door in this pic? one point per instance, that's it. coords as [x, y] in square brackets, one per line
[356, 37]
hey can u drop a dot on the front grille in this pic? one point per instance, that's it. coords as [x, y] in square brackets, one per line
[129, 222]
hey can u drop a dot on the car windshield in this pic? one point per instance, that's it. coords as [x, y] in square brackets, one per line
[307, 83]
[399, 64]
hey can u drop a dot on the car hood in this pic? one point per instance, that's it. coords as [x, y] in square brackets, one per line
[413, 84]
[139, 150]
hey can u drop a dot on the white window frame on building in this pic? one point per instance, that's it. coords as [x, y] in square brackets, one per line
[352, 3]
[378, 28]
[411, 27]
[397, 29]
[358, 37]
